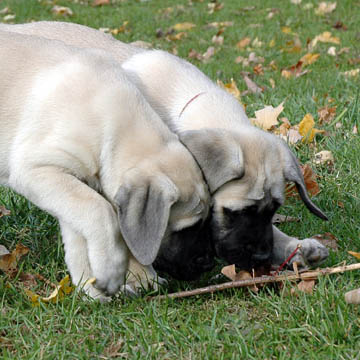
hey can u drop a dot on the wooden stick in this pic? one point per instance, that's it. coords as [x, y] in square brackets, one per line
[308, 275]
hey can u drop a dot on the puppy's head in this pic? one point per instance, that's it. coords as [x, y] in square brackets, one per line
[162, 206]
[246, 172]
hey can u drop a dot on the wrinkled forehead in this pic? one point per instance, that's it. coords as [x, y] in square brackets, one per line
[245, 192]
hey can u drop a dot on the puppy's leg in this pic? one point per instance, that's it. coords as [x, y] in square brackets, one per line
[77, 261]
[87, 213]
[311, 253]
[142, 277]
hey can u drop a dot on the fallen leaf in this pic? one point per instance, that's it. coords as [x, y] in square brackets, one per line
[121, 29]
[255, 89]
[296, 2]
[267, 118]
[353, 296]
[355, 130]
[309, 58]
[272, 83]
[279, 219]
[294, 71]
[258, 69]
[306, 286]
[293, 46]
[256, 43]
[307, 130]
[353, 253]
[230, 272]
[64, 288]
[62, 10]
[183, 26]
[4, 11]
[208, 54]
[328, 240]
[243, 43]
[231, 88]
[326, 114]
[339, 26]
[100, 2]
[325, 37]
[113, 350]
[292, 136]
[4, 211]
[220, 24]
[324, 157]
[332, 51]
[325, 7]
[177, 36]
[286, 30]
[8, 262]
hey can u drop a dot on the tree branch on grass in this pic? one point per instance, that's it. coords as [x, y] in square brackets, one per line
[308, 275]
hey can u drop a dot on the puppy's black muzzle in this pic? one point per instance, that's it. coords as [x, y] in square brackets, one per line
[187, 254]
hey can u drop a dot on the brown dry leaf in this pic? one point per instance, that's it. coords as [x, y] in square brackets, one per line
[267, 118]
[325, 37]
[208, 54]
[113, 350]
[325, 7]
[100, 2]
[258, 69]
[291, 136]
[306, 286]
[309, 58]
[310, 182]
[231, 88]
[4, 211]
[353, 253]
[230, 272]
[293, 46]
[355, 130]
[183, 26]
[324, 157]
[328, 240]
[326, 114]
[3, 250]
[243, 43]
[353, 296]
[279, 219]
[8, 262]
[62, 10]
[307, 130]
[255, 89]
[272, 83]
[294, 71]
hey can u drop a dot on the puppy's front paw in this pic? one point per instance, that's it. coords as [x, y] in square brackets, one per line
[311, 254]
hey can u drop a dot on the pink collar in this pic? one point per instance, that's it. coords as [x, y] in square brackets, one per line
[190, 101]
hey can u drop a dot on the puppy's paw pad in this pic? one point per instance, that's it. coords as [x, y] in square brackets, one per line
[313, 252]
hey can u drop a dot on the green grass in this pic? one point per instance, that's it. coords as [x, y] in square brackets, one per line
[233, 324]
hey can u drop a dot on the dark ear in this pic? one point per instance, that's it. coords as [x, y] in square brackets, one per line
[218, 154]
[144, 204]
[292, 172]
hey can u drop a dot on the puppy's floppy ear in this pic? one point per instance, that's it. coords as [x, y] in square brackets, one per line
[218, 154]
[292, 172]
[144, 204]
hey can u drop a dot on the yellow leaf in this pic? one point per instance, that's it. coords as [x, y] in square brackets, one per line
[64, 288]
[307, 130]
[272, 43]
[34, 298]
[267, 118]
[286, 30]
[353, 253]
[183, 26]
[309, 58]
[230, 88]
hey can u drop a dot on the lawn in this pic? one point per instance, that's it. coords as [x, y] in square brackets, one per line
[234, 324]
